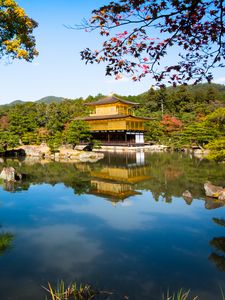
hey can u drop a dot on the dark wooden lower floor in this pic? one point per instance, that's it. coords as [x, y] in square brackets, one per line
[118, 138]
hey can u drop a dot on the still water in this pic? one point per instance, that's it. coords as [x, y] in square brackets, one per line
[120, 224]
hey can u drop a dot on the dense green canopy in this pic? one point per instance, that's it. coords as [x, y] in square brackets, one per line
[185, 116]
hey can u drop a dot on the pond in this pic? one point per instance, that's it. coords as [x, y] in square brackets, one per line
[120, 224]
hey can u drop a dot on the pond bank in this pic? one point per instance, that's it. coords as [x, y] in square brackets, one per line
[144, 148]
[64, 154]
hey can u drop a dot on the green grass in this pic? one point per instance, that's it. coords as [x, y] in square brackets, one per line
[222, 294]
[180, 295]
[73, 292]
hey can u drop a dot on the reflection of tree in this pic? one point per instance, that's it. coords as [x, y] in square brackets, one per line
[170, 175]
[220, 222]
[219, 244]
[50, 173]
[5, 241]
[173, 173]
[219, 261]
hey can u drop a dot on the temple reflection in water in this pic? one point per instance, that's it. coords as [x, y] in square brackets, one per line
[116, 178]
[166, 176]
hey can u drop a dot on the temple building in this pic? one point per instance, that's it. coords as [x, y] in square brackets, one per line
[112, 122]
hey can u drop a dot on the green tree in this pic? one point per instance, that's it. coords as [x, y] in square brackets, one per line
[197, 134]
[29, 138]
[150, 102]
[217, 119]
[163, 100]
[17, 40]
[211, 94]
[23, 118]
[55, 141]
[54, 118]
[8, 140]
[77, 131]
[183, 100]
[217, 149]
[154, 131]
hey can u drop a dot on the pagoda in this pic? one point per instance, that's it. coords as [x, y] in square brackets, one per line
[112, 122]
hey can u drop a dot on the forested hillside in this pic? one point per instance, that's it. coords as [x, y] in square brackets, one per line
[47, 100]
[184, 116]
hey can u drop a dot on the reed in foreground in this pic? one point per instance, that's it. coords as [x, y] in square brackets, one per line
[85, 292]
[73, 292]
[180, 295]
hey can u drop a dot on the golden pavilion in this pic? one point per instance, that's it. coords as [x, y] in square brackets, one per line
[112, 122]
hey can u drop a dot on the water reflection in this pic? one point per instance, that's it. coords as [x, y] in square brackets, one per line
[115, 181]
[122, 175]
[218, 243]
[6, 239]
[150, 241]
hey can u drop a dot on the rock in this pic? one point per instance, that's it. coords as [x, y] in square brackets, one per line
[201, 153]
[36, 150]
[89, 147]
[8, 174]
[187, 194]
[222, 196]
[213, 190]
[57, 156]
[157, 148]
[90, 157]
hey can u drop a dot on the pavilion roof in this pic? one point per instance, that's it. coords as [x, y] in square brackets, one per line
[110, 100]
[107, 117]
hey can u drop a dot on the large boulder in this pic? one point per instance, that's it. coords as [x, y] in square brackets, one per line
[8, 174]
[213, 190]
[201, 153]
[36, 150]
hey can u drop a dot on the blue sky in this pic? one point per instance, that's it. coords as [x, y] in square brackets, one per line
[58, 70]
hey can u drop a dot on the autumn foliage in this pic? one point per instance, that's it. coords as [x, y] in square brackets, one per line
[16, 40]
[139, 33]
[171, 124]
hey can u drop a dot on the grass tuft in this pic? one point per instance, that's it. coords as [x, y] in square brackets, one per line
[180, 295]
[73, 292]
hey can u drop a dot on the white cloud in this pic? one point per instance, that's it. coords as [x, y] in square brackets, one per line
[220, 80]
[75, 247]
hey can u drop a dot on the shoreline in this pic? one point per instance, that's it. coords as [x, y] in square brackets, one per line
[66, 153]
